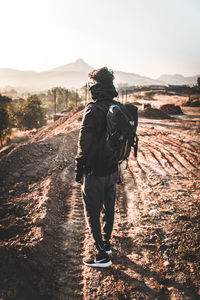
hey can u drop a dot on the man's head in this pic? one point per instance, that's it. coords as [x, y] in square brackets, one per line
[103, 89]
[102, 76]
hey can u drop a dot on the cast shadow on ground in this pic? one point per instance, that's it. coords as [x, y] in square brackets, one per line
[121, 262]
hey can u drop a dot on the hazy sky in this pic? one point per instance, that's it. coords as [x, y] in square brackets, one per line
[148, 37]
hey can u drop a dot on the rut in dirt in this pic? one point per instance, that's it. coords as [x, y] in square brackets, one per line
[71, 237]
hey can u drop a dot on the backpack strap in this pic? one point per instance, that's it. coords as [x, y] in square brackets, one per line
[102, 107]
[135, 145]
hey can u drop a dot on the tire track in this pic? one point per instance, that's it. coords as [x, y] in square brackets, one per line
[162, 157]
[166, 164]
[145, 177]
[185, 163]
[139, 182]
[71, 235]
[185, 157]
[189, 148]
[171, 160]
[155, 165]
[130, 196]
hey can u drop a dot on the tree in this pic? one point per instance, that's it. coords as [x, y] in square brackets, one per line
[198, 82]
[5, 125]
[64, 99]
[30, 114]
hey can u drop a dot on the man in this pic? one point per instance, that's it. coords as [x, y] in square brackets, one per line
[96, 170]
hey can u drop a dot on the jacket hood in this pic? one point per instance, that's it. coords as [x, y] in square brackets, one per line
[103, 91]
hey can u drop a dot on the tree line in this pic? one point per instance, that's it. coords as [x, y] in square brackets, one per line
[33, 112]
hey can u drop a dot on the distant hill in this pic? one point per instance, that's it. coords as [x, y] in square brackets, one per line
[78, 66]
[71, 76]
[134, 79]
[178, 79]
[75, 75]
[16, 78]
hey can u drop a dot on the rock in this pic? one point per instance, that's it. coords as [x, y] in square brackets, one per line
[145, 106]
[154, 213]
[153, 113]
[19, 211]
[42, 286]
[11, 192]
[193, 101]
[166, 263]
[30, 173]
[182, 217]
[16, 174]
[40, 220]
[171, 109]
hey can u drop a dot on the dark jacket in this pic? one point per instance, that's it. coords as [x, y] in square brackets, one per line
[91, 158]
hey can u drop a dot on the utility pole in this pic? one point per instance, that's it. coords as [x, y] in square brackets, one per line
[76, 97]
[86, 93]
[126, 96]
[66, 97]
[54, 98]
[118, 95]
[122, 96]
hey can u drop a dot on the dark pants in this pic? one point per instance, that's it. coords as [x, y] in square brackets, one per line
[99, 196]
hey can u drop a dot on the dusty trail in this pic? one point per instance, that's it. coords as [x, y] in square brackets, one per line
[156, 186]
[71, 235]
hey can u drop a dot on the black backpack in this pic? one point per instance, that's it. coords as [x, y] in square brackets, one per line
[122, 122]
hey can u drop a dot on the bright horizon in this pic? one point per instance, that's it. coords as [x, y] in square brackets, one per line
[147, 37]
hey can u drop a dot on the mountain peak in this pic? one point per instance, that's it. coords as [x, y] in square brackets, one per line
[78, 66]
[80, 61]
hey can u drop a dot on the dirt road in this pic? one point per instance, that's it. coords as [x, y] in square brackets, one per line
[156, 235]
[155, 229]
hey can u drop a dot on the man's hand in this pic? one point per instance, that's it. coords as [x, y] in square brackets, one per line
[79, 170]
[78, 177]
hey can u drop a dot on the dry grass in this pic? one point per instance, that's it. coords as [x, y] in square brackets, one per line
[16, 136]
